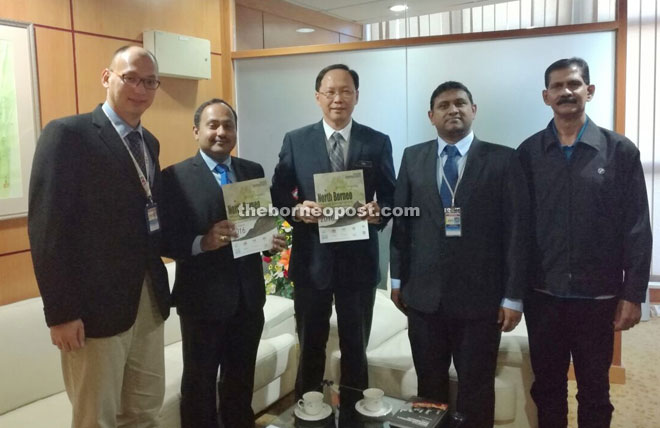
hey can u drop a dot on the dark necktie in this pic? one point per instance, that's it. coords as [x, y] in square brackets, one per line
[135, 145]
[336, 152]
[451, 174]
[223, 169]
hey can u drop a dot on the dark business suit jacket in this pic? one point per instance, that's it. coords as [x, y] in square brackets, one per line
[304, 154]
[87, 226]
[469, 275]
[209, 285]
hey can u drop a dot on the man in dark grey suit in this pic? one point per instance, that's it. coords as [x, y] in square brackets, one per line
[345, 271]
[458, 268]
[94, 233]
[219, 298]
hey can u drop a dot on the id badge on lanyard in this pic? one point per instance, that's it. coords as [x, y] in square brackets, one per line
[453, 222]
[151, 209]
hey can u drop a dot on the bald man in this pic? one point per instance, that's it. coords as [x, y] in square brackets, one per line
[94, 232]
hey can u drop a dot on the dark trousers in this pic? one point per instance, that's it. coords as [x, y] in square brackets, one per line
[473, 344]
[230, 344]
[354, 306]
[559, 328]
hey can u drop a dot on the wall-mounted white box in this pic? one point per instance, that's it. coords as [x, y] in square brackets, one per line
[178, 55]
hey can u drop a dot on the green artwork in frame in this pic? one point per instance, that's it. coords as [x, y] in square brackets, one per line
[10, 164]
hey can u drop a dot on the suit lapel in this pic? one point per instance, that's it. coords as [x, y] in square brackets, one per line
[473, 167]
[355, 145]
[208, 185]
[108, 134]
[239, 171]
[318, 149]
[430, 175]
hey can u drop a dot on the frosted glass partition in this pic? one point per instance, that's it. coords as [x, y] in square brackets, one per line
[506, 80]
[276, 94]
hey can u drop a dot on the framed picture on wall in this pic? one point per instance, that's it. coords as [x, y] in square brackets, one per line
[19, 115]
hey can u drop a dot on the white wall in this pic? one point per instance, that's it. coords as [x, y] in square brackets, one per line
[276, 94]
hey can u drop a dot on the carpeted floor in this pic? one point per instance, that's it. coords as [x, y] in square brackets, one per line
[636, 403]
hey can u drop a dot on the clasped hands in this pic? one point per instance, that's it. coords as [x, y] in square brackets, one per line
[310, 212]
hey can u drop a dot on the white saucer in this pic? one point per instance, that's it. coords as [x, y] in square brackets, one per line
[387, 408]
[324, 413]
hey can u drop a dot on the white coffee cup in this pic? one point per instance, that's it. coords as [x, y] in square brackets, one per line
[373, 399]
[311, 403]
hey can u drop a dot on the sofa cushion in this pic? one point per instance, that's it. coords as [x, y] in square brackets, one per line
[273, 358]
[51, 412]
[278, 317]
[387, 321]
[30, 366]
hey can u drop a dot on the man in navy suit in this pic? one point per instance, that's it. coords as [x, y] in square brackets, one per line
[458, 268]
[94, 232]
[219, 298]
[346, 271]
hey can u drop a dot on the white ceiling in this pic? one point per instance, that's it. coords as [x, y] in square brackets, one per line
[369, 11]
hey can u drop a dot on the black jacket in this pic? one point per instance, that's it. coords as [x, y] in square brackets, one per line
[592, 235]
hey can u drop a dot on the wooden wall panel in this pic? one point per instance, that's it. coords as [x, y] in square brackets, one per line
[129, 18]
[281, 32]
[249, 28]
[55, 13]
[57, 94]
[17, 281]
[93, 55]
[14, 235]
[170, 117]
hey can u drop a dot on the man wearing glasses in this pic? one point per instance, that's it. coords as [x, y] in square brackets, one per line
[94, 231]
[346, 271]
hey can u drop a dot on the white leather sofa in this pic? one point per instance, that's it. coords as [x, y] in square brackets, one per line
[31, 386]
[391, 367]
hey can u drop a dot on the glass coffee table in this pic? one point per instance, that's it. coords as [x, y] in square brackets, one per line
[287, 419]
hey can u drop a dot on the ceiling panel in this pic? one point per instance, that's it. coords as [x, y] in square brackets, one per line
[369, 11]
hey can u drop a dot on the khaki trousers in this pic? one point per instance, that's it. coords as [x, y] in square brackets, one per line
[119, 381]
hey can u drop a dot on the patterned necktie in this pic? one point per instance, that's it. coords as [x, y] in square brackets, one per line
[451, 174]
[135, 145]
[336, 152]
[222, 170]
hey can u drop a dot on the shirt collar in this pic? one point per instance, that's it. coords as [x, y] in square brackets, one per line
[463, 145]
[123, 128]
[589, 135]
[211, 163]
[345, 132]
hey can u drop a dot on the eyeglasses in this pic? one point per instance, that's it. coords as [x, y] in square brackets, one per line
[344, 94]
[134, 81]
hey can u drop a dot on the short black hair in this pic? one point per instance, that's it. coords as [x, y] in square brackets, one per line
[448, 86]
[124, 48]
[353, 73]
[568, 63]
[200, 109]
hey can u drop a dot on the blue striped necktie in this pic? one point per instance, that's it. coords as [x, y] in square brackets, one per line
[223, 171]
[451, 174]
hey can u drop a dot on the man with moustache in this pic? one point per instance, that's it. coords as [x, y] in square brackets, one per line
[591, 248]
[219, 299]
[346, 272]
[458, 269]
[94, 233]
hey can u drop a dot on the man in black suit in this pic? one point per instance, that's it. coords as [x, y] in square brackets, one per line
[458, 266]
[219, 299]
[94, 232]
[345, 271]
